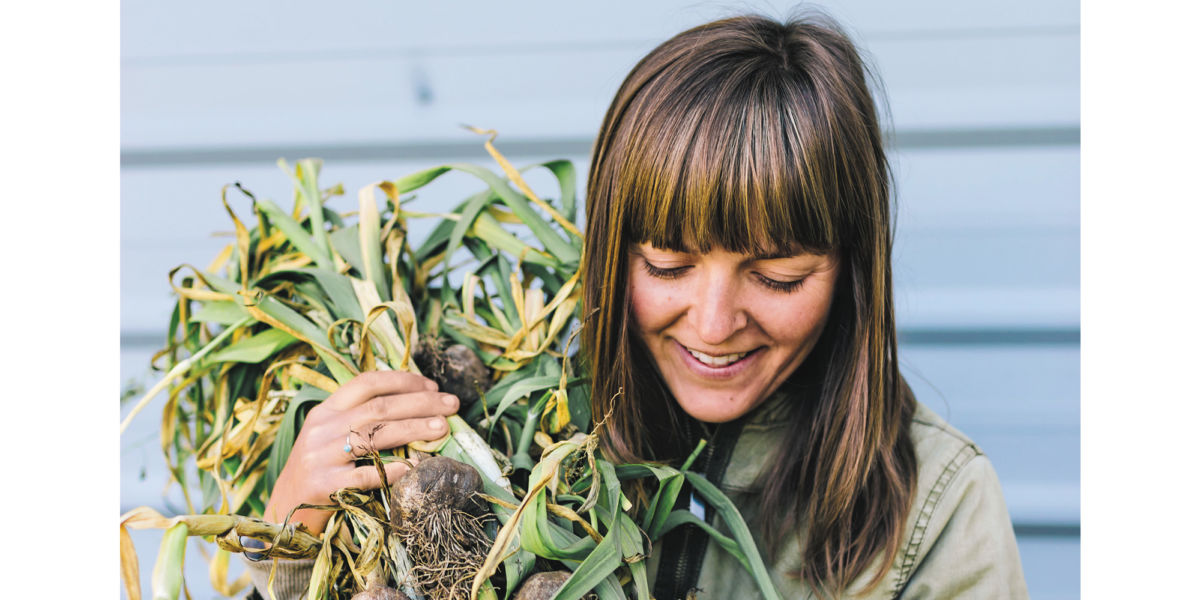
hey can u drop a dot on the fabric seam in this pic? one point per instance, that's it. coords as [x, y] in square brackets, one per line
[936, 493]
[945, 428]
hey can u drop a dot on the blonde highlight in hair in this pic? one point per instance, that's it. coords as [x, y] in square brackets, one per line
[761, 137]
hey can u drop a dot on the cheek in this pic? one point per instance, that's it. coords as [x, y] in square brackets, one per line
[640, 304]
[651, 304]
[799, 326]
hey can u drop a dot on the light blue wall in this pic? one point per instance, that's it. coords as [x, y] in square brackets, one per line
[984, 100]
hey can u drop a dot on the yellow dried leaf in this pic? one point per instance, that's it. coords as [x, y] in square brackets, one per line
[129, 566]
[516, 178]
[312, 377]
[218, 574]
[430, 447]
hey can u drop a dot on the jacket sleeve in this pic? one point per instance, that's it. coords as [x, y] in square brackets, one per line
[291, 577]
[970, 549]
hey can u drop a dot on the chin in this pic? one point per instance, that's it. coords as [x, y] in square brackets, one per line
[713, 410]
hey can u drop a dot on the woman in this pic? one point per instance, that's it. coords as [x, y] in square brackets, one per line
[738, 261]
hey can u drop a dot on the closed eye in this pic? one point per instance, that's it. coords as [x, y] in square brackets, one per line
[664, 273]
[780, 286]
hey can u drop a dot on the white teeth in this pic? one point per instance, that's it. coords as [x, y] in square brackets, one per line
[717, 361]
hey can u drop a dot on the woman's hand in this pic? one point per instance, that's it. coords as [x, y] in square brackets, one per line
[379, 409]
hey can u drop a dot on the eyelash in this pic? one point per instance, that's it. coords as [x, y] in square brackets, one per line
[781, 286]
[661, 273]
[675, 273]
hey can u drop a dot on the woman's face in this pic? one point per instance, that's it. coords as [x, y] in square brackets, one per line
[727, 329]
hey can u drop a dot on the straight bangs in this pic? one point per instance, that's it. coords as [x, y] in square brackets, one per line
[738, 163]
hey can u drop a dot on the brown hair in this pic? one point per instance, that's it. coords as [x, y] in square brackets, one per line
[754, 135]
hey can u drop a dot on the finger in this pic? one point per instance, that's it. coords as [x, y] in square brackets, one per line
[378, 383]
[367, 477]
[396, 407]
[394, 434]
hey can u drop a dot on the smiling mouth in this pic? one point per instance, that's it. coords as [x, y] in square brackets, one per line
[720, 361]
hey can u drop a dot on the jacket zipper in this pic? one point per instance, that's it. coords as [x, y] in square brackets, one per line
[689, 555]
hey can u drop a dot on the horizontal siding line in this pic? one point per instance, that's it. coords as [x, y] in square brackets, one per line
[969, 33]
[425, 151]
[987, 138]
[1056, 530]
[405, 52]
[908, 337]
[561, 47]
[547, 147]
[143, 340]
[989, 337]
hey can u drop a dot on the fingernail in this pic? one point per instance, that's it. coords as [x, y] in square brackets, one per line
[450, 400]
[435, 423]
[430, 385]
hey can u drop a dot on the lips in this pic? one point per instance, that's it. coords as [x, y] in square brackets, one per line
[715, 367]
[716, 361]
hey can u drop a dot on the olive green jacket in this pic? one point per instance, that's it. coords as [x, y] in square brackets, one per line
[958, 539]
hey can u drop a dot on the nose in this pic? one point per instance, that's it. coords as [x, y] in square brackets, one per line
[717, 312]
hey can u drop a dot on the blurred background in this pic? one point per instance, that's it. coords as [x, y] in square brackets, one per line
[984, 103]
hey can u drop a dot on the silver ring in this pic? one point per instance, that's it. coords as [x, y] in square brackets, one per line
[347, 448]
